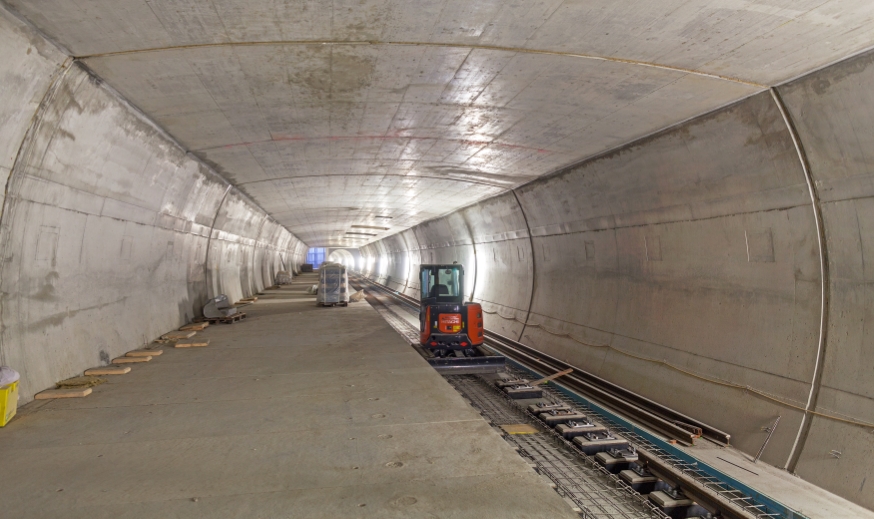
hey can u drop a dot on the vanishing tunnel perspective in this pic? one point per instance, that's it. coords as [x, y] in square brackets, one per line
[593, 259]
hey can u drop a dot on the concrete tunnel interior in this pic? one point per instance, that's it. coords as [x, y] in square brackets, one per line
[677, 197]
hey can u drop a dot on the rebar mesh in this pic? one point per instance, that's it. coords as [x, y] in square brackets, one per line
[577, 477]
[707, 482]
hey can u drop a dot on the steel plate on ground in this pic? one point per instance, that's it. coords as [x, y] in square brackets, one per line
[468, 365]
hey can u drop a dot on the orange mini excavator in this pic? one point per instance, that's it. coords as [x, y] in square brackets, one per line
[446, 322]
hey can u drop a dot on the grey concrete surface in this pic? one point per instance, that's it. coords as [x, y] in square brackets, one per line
[298, 411]
[832, 110]
[806, 498]
[690, 185]
[412, 109]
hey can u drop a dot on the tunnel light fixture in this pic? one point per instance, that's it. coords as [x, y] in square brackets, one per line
[371, 227]
[386, 217]
[361, 233]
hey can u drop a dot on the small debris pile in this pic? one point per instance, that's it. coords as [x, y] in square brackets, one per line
[80, 382]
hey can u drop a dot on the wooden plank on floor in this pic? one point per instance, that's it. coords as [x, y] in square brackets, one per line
[63, 393]
[130, 360]
[144, 353]
[108, 370]
[194, 327]
[520, 428]
[200, 344]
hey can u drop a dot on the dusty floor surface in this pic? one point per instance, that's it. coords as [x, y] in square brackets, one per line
[298, 411]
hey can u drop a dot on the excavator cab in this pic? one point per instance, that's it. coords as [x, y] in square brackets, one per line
[442, 283]
[446, 322]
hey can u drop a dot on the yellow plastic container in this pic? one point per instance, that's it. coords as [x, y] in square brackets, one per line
[8, 402]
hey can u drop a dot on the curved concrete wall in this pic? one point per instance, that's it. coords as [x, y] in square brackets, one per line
[687, 267]
[110, 234]
[717, 267]
[446, 240]
[833, 111]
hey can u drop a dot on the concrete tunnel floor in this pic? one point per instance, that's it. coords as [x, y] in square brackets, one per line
[297, 411]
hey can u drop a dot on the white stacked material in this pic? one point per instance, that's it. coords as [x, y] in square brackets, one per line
[333, 284]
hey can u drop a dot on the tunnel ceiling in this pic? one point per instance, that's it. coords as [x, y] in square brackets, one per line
[368, 117]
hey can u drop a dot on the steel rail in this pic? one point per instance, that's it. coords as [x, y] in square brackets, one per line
[709, 492]
[679, 426]
[579, 385]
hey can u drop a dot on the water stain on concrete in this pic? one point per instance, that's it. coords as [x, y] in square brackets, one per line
[633, 90]
[47, 291]
[43, 47]
[338, 73]
[405, 501]
[840, 73]
[204, 157]
[65, 134]
[58, 318]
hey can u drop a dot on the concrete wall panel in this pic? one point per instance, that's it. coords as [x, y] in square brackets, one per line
[833, 111]
[446, 240]
[504, 262]
[397, 262]
[413, 260]
[27, 70]
[382, 257]
[695, 247]
[369, 257]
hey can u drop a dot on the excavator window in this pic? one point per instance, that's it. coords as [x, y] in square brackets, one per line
[442, 283]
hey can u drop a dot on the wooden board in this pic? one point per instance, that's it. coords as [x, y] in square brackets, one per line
[179, 335]
[63, 393]
[144, 353]
[192, 344]
[552, 377]
[130, 360]
[194, 326]
[108, 370]
[520, 428]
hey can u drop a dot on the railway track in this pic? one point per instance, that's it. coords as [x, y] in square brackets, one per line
[575, 475]
[660, 418]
